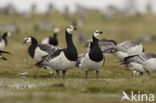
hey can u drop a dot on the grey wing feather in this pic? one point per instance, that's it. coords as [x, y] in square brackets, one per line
[46, 59]
[48, 48]
[146, 56]
[125, 46]
[105, 45]
[141, 58]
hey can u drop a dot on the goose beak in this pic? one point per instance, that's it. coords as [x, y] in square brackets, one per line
[100, 32]
[75, 28]
[24, 42]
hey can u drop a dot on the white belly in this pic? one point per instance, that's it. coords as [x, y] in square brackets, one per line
[136, 67]
[39, 54]
[89, 65]
[121, 55]
[45, 41]
[61, 63]
[150, 65]
[2, 44]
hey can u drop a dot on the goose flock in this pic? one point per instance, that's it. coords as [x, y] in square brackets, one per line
[47, 54]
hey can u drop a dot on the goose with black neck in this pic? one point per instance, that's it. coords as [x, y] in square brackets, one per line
[93, 59]
[3, 40]
[37, 51]
[62, 59]
[52, 40]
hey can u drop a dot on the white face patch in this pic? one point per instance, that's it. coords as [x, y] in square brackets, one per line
[96, 33]
[9, 34]
[70, 29]
[56, 30]
[27, 40]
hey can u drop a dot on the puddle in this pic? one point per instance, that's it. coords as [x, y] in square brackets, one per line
[19, 83]
[15, 83]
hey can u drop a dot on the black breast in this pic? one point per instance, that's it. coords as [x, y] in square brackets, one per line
[95, 53]
[71, 54]
[31, 50]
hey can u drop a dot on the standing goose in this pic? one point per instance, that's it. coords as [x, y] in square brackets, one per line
[1, 57]
[3, 40]
[62, 59]
[37, 51]
[143, 62]
[93, 59]
[52, 40]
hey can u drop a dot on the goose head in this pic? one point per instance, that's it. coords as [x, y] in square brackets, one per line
[27, 40]
[56, 30]
[30, 39]
[97, 33]
[111, 50]
[6, 34]
[70, 29]
[95, 36]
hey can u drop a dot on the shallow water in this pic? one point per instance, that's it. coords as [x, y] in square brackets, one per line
[20, 83]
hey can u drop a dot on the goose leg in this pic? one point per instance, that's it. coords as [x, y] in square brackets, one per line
[149, 73]
[97, 74]
[141, 73]
[86, 74]
[63, 72]
[57, 75]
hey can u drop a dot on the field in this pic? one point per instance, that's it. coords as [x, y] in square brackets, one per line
[40, 86]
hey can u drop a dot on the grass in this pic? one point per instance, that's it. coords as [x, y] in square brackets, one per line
[39, 85]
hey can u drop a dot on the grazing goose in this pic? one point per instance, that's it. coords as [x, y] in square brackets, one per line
[3, 40]
[127, 48]
[62, 59]
[1, 57]
[106, 44]
[37, 51]
[143, 62]
[52, 40]
[93, 59]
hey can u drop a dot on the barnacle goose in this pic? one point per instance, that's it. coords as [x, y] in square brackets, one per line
[1, 56]
[93, 59]
[3, 40]
[143, 62]
[37, 51]
[62, 59]
[127, 48]
[52, 40]
[104, 44]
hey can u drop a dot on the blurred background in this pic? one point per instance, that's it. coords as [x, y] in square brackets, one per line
[120, 20]
[131, 19]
